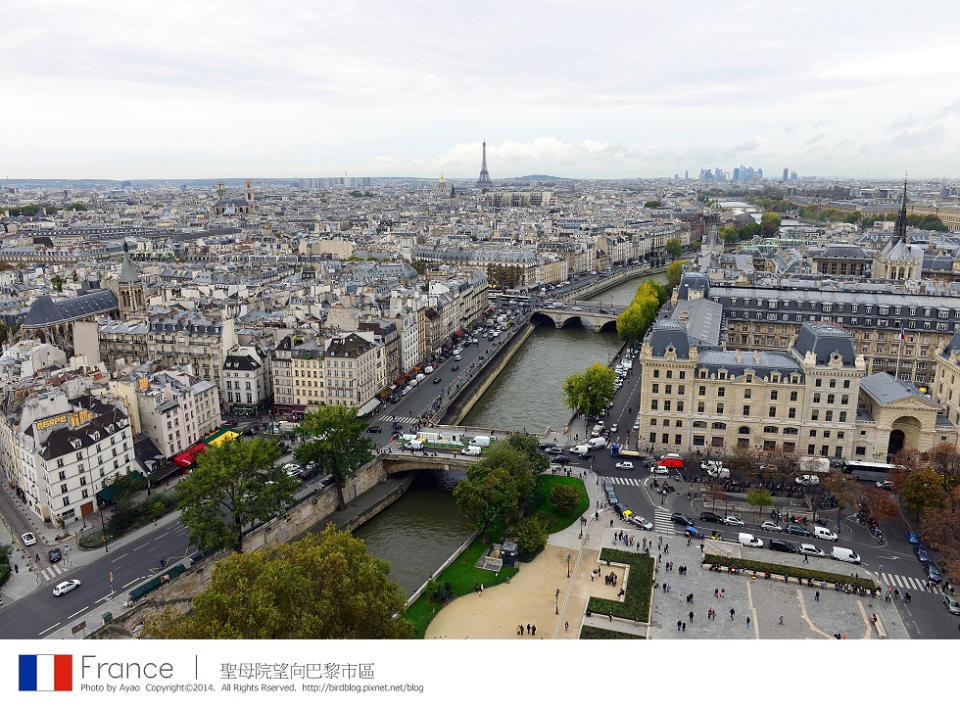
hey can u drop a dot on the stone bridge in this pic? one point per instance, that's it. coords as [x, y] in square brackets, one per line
[404, 461]
[589, 316]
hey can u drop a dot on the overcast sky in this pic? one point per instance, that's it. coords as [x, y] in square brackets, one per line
[580, 89]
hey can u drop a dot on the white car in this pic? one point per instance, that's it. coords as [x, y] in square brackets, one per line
[636, 426]
[884, 484]
[28, 539]
[807, 480]
[733, 521]
[771, 526]
[659, 470]
[811, 550]
[65, 587]
[624, 465]
[642, 522]
[613, 428]
[721, 473]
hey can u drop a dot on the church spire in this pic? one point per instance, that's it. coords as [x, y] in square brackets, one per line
[900, 226]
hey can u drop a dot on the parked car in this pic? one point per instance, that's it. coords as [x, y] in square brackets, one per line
[560, 459]
[65, 587]
[783, 545]
[711, 517]
[771, 526]
[811, 550]
[553, 450]
[807, 480]
[680, 518]
[922, 554]
[933, 571]
[54, 555]
[624, 465]
[28, 539]
[798, 529]
[912, 537]
[884, 484]
[641, 522]
[733, 521]
[375, 429]
[953, 606]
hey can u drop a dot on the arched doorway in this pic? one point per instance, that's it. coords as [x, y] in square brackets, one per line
[895, 445]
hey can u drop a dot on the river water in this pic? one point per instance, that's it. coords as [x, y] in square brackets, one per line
[424, 527]
[419, 531]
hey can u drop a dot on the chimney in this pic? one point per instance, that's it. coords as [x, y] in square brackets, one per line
[738, 357]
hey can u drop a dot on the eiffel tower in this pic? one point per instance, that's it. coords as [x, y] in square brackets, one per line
[484, 180]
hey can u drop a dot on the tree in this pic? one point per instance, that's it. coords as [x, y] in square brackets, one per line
[674, 247]
[335, 444]
[234, 485]
[879, 504]
[486, 496]
[945, 459]
[631, 324]
[748, 231]
[651, 204]
[769, 223]
[674, 271]
[590, 391]
[531, 533]
[759, 497]
[529, 446]
[728, 235]
[4, 333]
[57, 283]
[922, 489]
[419, 266]
[315, 588]
[564, 497]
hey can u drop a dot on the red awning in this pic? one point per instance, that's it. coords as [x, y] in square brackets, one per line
[189, 456]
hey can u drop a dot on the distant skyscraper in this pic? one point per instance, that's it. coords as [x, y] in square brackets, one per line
[686, 174]
[786, 174]
[484, 180]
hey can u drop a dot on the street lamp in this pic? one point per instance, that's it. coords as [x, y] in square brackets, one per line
[568, 566]
[556, 597]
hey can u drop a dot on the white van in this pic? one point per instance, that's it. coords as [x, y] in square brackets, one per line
[844, 554]
[824, 533]
[482, 441]
[413, 445]
[748, 540]
[598, 442]
[581, 449]
[472, 450]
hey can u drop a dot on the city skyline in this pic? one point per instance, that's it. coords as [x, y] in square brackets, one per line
[227, 89]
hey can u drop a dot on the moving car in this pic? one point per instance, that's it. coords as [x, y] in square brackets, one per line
[436, 380]
[811, 550]
[783, 545]
[711, 517]
[624, 465]
[824, 533]
[771, 526]
[641, 522]
[65, 587]
[733, 521]
[798, 529]
[680, 518]
[807, 480]
[613, 428]
[553, 450]
[953, 606]
[748, 540]
[560, 459]
[455, 368]
[659, 470]
[54, 555]
[844, 554]
[375, 429]
[884, 484]
[28, 539]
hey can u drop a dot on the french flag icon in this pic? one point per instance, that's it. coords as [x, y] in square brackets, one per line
[46, 673]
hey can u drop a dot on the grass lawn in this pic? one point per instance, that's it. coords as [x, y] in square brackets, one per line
[463, 575]
[559, 520]
[636, 601]
[588, 632]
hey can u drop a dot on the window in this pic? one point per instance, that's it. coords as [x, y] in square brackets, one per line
[654, 405]
[655, 388]
[700, 407]
[680, 390]
[770, 429]
[668, 389]
[702, 391]
[718, 426]
[746, 393]
[744, 431]
[790, 431]
[721, 391]
[698, 440]
[815, 415]
[830, 398]
[843, 417]
[793, 396]
[719, 408]
[772, 412]
[818, 383]
[816, 398]
[773, 395]
[746, 410]
[669, 374]
[829, 416]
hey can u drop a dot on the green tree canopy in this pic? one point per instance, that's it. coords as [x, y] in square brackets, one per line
[565, 497]
[531, 533]
[233, 485]
[674, 271]
[674, 247]
[318, 588]
[759, 497]
[652, 204]
[748, 231]
[728, 235]
[631, 324]
[922, 489]
[590, 391]
[335, 443]
[769, 223]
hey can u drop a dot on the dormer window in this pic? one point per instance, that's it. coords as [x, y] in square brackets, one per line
[75, 443]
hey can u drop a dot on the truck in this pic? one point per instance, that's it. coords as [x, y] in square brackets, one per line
[597, 443]
[482, 441]
[472, 450]
[414, 445]
[810, 464]
[580, 449]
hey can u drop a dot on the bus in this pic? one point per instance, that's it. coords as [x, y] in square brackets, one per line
[867, 471]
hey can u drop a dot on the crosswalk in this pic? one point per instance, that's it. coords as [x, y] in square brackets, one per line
[662, 524]
[401, 419]
[909, 583]
[51, 572]
[626, 481]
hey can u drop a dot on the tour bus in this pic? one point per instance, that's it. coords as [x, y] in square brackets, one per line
[867, 471]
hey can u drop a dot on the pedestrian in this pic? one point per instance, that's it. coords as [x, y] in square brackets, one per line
[666, 548]
[566, 626]
[716, 593]
[476, 588]
[732, 612]
[781, 621]
[806, 559]
[534, 630]
[816, 596]
[16, 568]
[748, 622]
[519, 630]
[528, 628]
[691, 617]
[722, 591]
[881, 568]
[679, 623]
[481, 589]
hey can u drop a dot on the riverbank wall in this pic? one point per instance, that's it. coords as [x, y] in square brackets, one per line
[468, 396]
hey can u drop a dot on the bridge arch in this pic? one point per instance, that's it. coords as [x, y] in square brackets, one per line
[540, 318]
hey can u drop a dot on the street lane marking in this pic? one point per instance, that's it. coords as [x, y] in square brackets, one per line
[139, 547]
[47, 630]
[79, 611]
[160, 535]
[130, 583]
[107, 597]
[117, 558]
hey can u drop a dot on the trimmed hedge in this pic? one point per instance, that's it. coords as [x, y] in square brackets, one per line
[636, 601]
[588, 632]
[789, 571]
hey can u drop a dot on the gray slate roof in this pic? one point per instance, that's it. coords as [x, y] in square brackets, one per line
[885, 388]
[45, 311]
